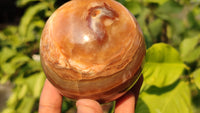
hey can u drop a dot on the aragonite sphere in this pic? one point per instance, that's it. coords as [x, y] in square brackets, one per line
[92, 49]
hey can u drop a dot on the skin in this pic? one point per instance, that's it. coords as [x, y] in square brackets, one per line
[51, 100]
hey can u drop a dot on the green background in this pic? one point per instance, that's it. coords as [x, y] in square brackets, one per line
[171, 70]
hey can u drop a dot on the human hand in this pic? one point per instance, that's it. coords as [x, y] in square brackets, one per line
[51, 101]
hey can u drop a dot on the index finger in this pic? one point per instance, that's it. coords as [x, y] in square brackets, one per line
[127, 103]
[50, 99]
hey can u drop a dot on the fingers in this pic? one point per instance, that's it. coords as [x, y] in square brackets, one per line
[136, 87]
[127, 103]
[50, 99]
[88, 106]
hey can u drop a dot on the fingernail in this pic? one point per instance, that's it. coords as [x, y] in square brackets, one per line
[88, 106]
[85, 109]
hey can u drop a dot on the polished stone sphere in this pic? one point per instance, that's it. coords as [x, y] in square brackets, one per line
[92, 49]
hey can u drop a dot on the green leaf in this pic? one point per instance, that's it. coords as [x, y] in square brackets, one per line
[22, 91]
[196, 12]
[177, 25]
[196, 75]
[12, 101]
[142, 22]
[168, 8]
[2, 37]
[34, 66]
[8, 110]
[21, 3]
[26, 105]
[190, 51]
[8, 68]
[10, 30]
[143, 16]
[195, 1]
[9, 37]
[134, 7]
[29, 15]
[169, 32]
[160, 2]
[122, 1]
[188, 45]
[35, 83]
[34, 30]
[193, 56]
[141, 106]
[192, 20]
[6, 53]
[170, 12]
[19, 60]
[155, 27]
[163, 65]
[172, 99]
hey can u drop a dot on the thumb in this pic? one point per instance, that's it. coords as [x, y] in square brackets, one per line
[88, 106]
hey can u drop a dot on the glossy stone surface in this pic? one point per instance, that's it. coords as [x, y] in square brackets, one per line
[92, 49]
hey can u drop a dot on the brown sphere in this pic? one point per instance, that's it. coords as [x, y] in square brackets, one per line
[92, 49]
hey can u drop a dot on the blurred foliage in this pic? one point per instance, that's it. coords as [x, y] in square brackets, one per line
[172, 65]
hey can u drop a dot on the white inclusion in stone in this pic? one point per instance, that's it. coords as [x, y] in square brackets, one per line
[108, 22]
[96, 20]
[85, 38]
